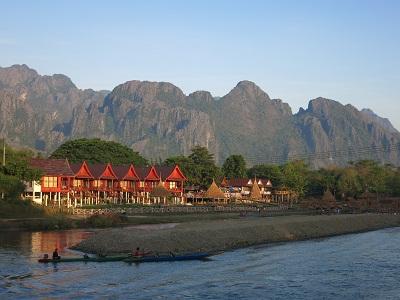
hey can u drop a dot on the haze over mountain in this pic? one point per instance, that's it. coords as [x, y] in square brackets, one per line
[159, 120]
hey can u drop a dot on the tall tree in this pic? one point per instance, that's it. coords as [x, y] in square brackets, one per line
[295, 176]
[205, 169]
[349, 184]
[98, 151]
[234, 166]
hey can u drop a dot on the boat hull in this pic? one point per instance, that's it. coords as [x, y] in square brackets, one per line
[163, 258]
[82, 259]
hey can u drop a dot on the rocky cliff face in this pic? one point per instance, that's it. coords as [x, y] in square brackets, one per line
[159, 120]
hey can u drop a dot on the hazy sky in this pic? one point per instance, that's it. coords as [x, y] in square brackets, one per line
[294, 50]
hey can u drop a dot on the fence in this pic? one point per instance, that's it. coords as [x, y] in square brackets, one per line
[173, 209]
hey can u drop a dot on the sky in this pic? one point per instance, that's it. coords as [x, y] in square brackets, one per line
[347, 50]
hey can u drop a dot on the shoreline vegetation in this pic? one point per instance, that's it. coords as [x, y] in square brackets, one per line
[231, 233]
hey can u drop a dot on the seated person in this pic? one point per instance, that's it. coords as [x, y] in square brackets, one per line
[137, 252]
[55, 254]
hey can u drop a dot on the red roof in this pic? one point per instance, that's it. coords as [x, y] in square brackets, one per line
[81, 170]
[126, 172]
[52, 167]
[102, 171]
[171, 173]
[147, 173]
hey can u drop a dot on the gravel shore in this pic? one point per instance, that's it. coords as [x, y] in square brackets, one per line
[221, 235]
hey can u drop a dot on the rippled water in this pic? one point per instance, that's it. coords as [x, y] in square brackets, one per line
[365, 265]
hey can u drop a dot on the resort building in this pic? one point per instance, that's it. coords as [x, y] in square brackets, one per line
[247, 189]
[79, 184]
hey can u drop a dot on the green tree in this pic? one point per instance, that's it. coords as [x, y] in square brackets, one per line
[234, 167]
[10, 186]
[17, 165]
[349, 184]
[205, 169]
[98, 151]
[199, 167]
[295, 176]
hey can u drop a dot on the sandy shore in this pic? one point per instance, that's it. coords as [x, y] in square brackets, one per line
[220, 235]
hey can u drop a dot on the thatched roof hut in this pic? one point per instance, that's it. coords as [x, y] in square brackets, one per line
[255, 193]
[328, 200]
[160, 191]
[214, 192]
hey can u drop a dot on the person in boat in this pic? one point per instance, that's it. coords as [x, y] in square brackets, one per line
[140, 253]
[55, 254]
[137, 252]
[45, 256]
[85, 256]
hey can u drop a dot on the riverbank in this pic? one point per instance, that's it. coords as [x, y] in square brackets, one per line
[64, 221]
[227, 234]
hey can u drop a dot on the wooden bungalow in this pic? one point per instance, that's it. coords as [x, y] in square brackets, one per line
[82, 185]
[127, 183]
[103, 183]
[174, 180]
[148, 179]
[56, 182]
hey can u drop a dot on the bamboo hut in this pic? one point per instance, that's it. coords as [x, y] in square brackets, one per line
[328, 200]
[159, 195]
[215, 193]
[255, 193]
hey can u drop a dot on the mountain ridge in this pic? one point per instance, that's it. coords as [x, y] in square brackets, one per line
[159, 120]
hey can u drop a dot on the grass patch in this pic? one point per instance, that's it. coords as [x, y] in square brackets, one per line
[16, 208]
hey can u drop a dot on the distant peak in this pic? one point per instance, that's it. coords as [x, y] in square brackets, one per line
[246, 83]
[17, 74]
[248, 88]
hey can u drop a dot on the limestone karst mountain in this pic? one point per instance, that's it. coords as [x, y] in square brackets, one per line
[159, 120]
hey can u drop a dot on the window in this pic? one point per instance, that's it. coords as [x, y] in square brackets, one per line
[96, 183]
[50, 181]
[172, 184]
[141, 184]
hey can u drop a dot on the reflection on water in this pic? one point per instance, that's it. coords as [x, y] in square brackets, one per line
[355, 266]
[35, 244]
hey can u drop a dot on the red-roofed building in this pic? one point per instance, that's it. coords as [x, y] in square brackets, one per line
[128, 181]
[103, 175]
[56, 182]
[148, 178]
[80, 184]
[173, 180]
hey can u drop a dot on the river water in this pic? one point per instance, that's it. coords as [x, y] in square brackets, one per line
[365, 265]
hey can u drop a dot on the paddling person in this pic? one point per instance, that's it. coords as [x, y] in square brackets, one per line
[55, 254]
[137, 252]
[140, 253]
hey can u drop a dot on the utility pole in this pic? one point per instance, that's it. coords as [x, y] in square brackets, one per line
[4, 152]
[4, 160]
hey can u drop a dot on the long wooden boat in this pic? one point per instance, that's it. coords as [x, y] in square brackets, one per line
[84, 259]
[170, 257]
